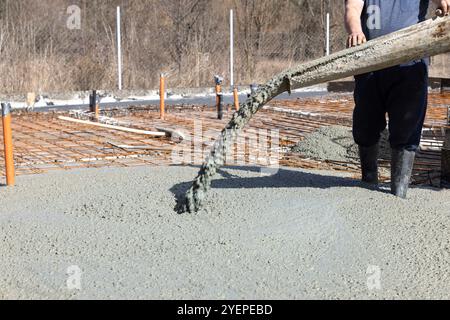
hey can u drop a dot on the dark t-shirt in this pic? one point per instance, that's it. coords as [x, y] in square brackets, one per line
[381, 17]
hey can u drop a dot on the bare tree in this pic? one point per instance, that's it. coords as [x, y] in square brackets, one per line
[187, 36]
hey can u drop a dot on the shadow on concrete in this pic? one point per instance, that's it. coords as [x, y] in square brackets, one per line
[284, 178]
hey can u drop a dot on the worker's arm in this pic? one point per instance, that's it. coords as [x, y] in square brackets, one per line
[353, 10]
[444, 5]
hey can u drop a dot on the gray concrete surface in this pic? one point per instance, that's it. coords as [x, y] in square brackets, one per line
[297, 234]
[329, 143]
[337, 143]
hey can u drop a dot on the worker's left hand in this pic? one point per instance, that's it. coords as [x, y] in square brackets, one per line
[444, 5]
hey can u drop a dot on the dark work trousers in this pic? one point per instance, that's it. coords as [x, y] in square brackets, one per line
[401, 92]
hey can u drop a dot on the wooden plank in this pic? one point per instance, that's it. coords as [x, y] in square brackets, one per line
[119, 128]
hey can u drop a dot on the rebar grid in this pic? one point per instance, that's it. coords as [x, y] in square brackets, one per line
[42, 142]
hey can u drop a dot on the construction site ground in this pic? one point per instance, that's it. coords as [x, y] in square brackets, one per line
[43, 142]
[103, 201]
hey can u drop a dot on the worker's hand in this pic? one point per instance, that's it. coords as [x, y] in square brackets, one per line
[356, 39]
[444, 5]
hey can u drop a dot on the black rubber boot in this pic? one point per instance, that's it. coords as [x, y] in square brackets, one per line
[369, 164]
[401, 169]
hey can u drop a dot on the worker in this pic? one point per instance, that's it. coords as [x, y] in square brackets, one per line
[401, 91]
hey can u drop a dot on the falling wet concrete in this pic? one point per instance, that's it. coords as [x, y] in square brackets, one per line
[297, 234]
[192, 201]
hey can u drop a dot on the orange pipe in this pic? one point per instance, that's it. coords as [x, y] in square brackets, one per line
[97, 111]
[218, 90]
[7, 139]
[236, 99]
[161, 97]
